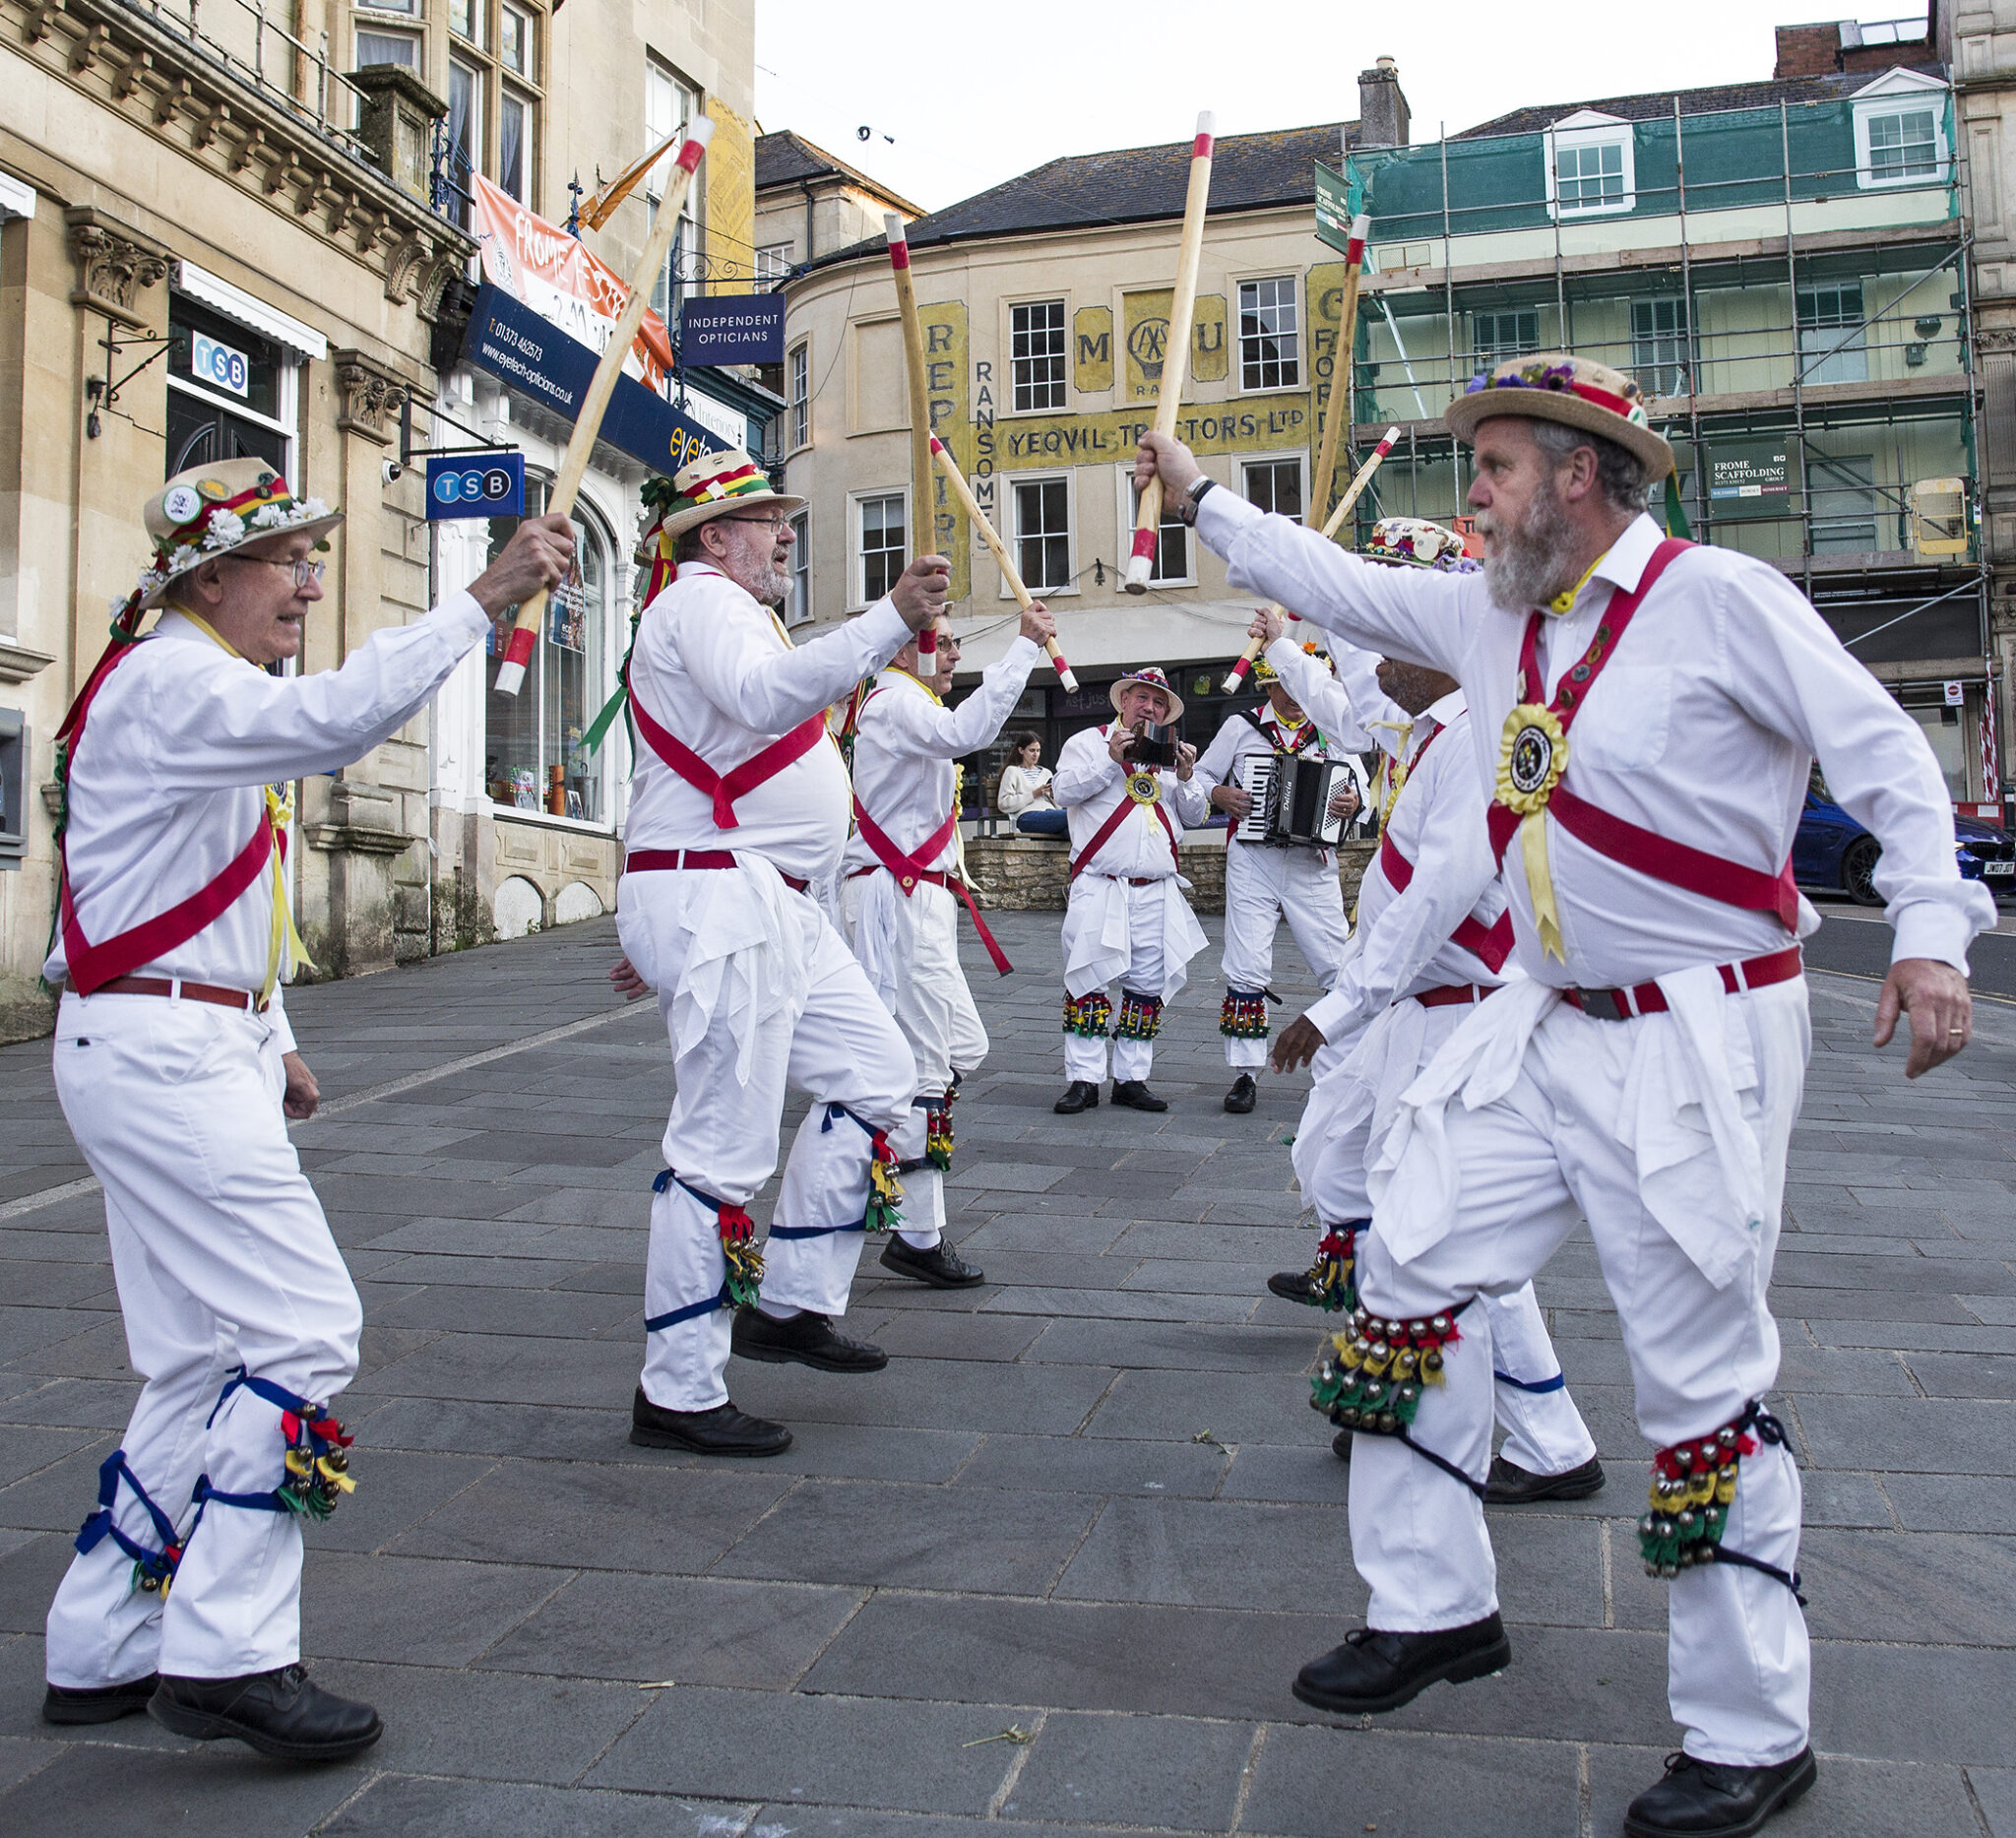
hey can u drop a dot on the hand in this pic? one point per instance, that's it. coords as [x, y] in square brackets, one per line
[1119, 737]
[920, 591]
[1344, 801]
[302, 1094]
[1233, 798]
[1297, 1045]
[1934, 996]
[1267, 626]
[626, 981]
[1038, 624]
[539, 555]
[1160, 453]
[1186, 762]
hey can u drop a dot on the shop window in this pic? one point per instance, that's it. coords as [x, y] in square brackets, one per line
[533, 759]
[1270, 337]
[230, 393]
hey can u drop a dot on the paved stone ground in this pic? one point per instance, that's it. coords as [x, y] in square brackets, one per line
[1054, 1571]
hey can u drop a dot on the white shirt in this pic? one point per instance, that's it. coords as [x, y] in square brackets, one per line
[904, 745]
[1266, 732]
[167, 782]
[1090, 785]
[1703, 729]
[1022, 787]
[713, 666]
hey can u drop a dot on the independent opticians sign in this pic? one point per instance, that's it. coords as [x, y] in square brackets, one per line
[475, 484]
[733, 329]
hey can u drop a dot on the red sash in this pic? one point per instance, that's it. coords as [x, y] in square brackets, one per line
[1642, 851]
[1492, 944]
[93, 966]
[909, 870]
[726, 789]
[1119, 817]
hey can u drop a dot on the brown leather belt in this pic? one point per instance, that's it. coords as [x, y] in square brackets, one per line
[171, 987]
[644, 861]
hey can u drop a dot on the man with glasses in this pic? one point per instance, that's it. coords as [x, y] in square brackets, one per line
[739, 804]
[176, 1071]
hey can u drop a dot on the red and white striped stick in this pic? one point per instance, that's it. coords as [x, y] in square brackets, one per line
[1176, 365]
[923, 497]
[1338, 411]
[992, 536]
[525, 629]
[1238, 672]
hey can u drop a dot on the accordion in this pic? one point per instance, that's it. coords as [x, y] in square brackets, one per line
[1291, 795]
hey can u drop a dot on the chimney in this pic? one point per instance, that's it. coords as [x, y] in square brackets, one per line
[1383, 114]
[1808, 50]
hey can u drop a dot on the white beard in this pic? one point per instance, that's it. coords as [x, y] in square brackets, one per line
[1523, 567]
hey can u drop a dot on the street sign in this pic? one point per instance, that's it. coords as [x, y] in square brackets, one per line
[1749, 478]
[1337, 201]
[1956, 695]
[733, 329]
[474, 484]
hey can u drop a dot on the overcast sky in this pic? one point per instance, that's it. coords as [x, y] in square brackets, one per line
[971, 96]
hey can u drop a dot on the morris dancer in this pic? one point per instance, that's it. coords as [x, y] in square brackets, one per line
[902, 871]
[739, 803]
[1126, 916]
[1265, 882]
[1432, 941]
[1648, 1072]
[176, 1070]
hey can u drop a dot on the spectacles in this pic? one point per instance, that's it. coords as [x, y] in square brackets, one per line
[306, 573]
[765, 522]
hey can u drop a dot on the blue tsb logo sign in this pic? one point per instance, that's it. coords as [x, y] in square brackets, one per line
[483, 484]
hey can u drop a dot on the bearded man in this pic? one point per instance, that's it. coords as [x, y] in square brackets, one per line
[1647, 711]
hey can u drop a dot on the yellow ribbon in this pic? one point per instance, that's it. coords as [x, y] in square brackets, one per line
[1565, 601]
[283, 943]
[1526, 780]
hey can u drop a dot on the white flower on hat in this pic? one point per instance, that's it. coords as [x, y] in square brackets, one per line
[225, 529]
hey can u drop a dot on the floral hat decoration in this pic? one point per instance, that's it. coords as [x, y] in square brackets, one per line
[211, 510]
[1155, 679]
[1265, 672]
[1552, 386]
[1415, 542]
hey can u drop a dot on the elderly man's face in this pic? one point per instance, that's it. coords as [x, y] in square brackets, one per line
[1285, 705]
[753, 549]
[252, 600]
[1143, 703]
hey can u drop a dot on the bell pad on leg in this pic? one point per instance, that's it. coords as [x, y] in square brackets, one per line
[738, 1248]
[152, 1571]
[1088, 1015]
[1693, 1486]
[1372, 1381]
[1242, 1015]
[1140, 1016]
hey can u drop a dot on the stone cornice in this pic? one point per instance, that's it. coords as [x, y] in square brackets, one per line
[169, 89]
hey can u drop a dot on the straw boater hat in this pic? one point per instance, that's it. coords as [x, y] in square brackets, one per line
[715, 484]
[1265, 672]
[1415, 542]
[1552, 386]
[1155, 679]
[211, 510]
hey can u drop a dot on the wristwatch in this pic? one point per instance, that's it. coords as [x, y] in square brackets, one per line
[1187, 510]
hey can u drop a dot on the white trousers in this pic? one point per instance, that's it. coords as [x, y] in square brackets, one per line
[1151, 968]
[1262, 887]
[222, 1258]
[1527, 1166]
[910, 951]
[820, 1029]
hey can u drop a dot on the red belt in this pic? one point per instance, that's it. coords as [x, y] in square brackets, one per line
[1646, 998]
[643, 861]
[1451, 993]
[936, 877]
[189, 991]
[951, 884]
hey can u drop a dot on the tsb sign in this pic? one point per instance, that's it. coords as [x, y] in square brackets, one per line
[219, 366]
[477, 485]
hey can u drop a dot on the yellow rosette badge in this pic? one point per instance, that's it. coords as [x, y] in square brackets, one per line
[1144, 787]
[1533, 753]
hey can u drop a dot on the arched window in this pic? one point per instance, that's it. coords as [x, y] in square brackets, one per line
[533, 759]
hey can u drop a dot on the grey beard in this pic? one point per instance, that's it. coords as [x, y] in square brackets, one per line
[1525, 568]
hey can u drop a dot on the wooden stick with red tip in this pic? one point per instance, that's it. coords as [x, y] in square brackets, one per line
[525, 629]
[992, 536]
[1238, 672]
[1341, 361]
[1175, 366]
[923, 497]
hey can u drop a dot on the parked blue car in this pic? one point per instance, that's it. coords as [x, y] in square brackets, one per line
[1833, 851]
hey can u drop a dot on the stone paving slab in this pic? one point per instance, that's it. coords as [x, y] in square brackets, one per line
[1051, 1573]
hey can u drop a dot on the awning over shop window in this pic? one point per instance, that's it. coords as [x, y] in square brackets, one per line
[243, 309]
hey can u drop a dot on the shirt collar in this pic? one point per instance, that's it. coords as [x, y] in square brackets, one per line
[1624, 563]
[1445, 708]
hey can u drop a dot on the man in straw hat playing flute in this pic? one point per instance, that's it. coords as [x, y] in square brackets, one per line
[1647, 713]
[738, 806]
[177, 1071]
[902, 876]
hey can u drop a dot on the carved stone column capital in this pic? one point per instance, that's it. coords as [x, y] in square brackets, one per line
[115, 264]
[372, 396]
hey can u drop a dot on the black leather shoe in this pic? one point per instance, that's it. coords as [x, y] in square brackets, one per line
[1079, 1095]
[1378, 1671]
[1135, 1095]
[1303, 1286]
[1513, 1486]
[723, 1431]
[1706, 1799]
[806, 1339]
[281, 1713]
[941, 1266]
[1242, 1096]
[1340, 1444]
[98, 1703]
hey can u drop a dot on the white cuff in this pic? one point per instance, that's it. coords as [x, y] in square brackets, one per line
[462, 614]
[1331, 1015]
[1221, 517]
[1932, 928]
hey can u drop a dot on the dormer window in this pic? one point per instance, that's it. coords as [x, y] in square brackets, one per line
[1900, 132]
[1589, 168]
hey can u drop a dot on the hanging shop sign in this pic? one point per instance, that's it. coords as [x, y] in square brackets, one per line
[735, 329]
[474, 484]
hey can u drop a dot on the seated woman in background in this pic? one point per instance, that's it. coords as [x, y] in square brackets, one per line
[1025, 792]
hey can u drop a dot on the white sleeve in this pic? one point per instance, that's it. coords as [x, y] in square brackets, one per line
[1399, 612]
[1214, 764]
[921, 728]
[277, 1019]
[733, 657]
[212, 730]
[1083, 769]
[1192, 797]
[1328, 700]
[1791, 675]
